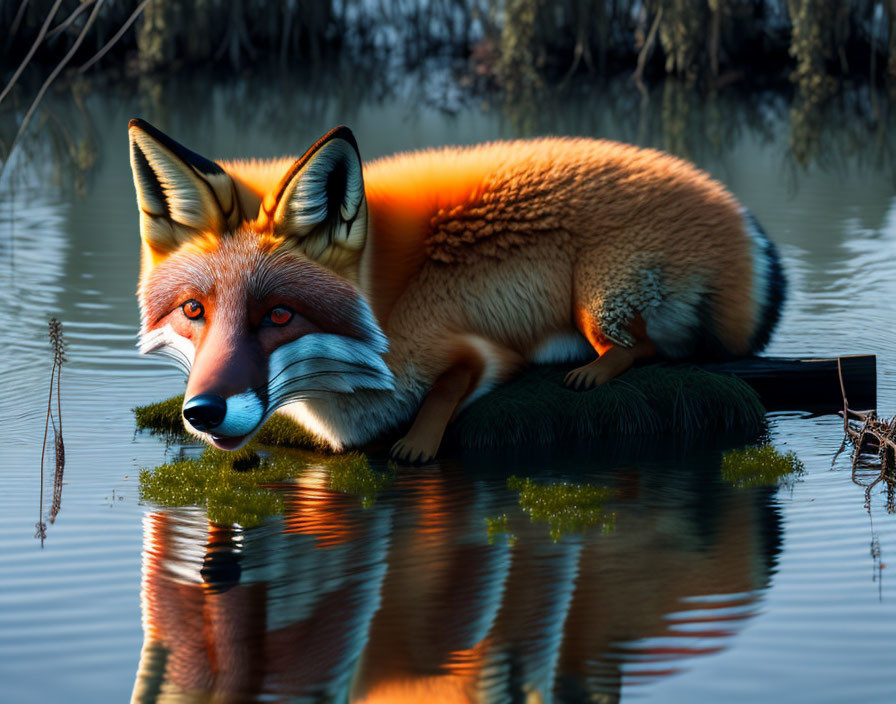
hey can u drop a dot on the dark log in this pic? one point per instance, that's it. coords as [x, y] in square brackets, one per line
[793, 384]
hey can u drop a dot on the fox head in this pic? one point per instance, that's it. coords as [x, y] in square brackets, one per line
[247, 289]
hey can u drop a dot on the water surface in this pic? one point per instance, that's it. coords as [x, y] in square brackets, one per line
[698, 591]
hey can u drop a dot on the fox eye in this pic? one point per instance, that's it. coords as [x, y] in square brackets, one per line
[193, 309]
[277, 316]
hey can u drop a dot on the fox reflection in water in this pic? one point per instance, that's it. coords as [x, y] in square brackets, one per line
[409, 602]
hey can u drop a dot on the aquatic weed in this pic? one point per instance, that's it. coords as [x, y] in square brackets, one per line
[498, 526]
[57, 340]
[564, 506]
[234, 487]
[761, 466]
[352, 474]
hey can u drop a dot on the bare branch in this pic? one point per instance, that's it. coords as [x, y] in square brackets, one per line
[646, 50]
[16, 22]
[52, 77]
[37, 41]
[65, 24]
[124, 28]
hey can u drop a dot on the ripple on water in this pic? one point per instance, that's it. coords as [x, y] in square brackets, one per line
[699, 590]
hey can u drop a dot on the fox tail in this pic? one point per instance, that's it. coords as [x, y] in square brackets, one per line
[770, 282]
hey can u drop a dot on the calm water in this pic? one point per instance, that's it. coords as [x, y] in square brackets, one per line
[701, 592]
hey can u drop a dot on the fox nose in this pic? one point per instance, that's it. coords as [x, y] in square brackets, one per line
[205, 411]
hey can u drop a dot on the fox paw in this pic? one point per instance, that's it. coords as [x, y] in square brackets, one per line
[406, 451]
[587, 377]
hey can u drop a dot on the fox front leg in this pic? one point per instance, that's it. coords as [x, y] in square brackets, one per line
[422, 441]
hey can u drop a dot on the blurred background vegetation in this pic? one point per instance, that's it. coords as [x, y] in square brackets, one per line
[814, 43]
[806, 51]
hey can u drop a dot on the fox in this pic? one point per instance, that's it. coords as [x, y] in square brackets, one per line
[363, 299]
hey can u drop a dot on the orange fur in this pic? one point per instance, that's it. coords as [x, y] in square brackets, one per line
[255, 179]
[601, 203]
[476, 258]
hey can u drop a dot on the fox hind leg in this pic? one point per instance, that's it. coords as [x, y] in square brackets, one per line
[614, 357]
[610, 298]
[614, 360]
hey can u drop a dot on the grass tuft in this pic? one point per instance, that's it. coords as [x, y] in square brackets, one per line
[564, 506]
[164, 418]
[497, 527]
[238, 487]
[234, 487]
[536, 409]
[280, 431]
[352, 474]
[761, 466]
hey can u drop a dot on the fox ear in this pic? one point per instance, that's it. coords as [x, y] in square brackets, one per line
[320, 203]
[180, 194]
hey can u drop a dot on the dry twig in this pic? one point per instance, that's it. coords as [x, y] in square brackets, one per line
[646, 50]
[37, 42]
[67, 22]
[58, 341]
[868, 433]
[52, 77]
[118, 35]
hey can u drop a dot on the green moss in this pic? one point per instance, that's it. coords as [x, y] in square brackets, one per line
[234, 487]
[283, 432]
[761, 466]
[237, 487]
[497, 527]
[536, 408]
[564, 506]
[164, 418]
[352, 474]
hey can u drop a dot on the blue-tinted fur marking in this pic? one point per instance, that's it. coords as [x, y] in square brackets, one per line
[776, 291]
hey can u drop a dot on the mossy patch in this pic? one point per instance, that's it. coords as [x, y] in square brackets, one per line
[239, 487]
[497, 527]
[761, 466]
[234, 487]
[352, 474]
[537, 409]
[164, 418]
[564, 506]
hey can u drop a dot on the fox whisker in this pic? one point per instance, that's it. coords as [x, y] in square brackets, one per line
[345, 366]
[181, 361]
[350, 364]
[349, 383]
